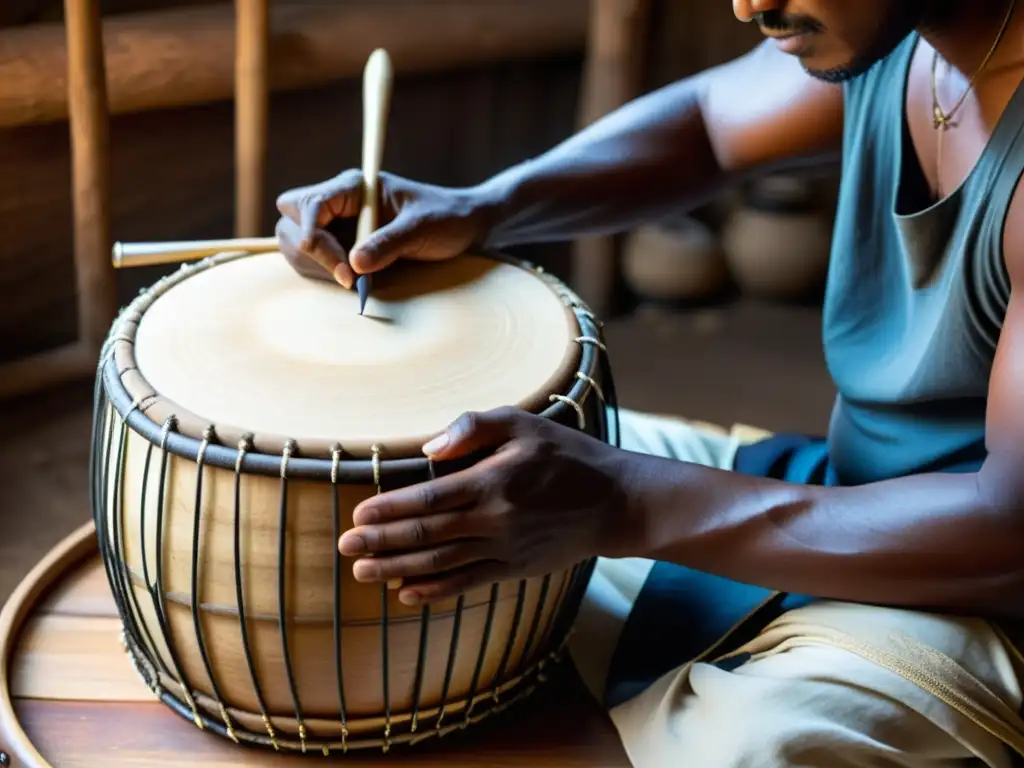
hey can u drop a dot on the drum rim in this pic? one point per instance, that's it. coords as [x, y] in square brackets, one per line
[339, 467]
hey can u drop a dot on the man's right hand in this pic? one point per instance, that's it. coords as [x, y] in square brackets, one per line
[416, 221]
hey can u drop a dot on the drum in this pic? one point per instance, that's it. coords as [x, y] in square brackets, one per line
[243, 411]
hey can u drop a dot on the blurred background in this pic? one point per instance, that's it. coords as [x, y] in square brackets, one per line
[713, 315]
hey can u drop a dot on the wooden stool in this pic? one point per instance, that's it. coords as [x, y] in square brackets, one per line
[70, 697]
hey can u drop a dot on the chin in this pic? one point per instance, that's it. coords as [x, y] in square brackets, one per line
[825, 62]
[833, 71]
[817, 64]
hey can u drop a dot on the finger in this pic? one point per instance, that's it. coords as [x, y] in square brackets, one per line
[340, 196]
[314, 206]
[405, 235]
[454, 583]
[473, 431]
[402, 535]
[440, 495]
[294, 203]
[327, 254]
[424, 563]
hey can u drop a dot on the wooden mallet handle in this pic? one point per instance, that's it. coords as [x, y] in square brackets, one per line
[171, 252]
[377, 83]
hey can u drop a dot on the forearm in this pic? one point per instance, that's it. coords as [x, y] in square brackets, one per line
[939, 541]
[649, 158]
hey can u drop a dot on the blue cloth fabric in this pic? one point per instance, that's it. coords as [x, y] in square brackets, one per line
[681, 612]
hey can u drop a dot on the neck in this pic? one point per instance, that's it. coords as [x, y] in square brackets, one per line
[964, 35]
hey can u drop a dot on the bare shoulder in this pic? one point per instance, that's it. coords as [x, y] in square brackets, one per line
[764, 109]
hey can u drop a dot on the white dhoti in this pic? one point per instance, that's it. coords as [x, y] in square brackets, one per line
[825, 685]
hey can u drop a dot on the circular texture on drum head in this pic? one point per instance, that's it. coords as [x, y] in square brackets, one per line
[248, 345]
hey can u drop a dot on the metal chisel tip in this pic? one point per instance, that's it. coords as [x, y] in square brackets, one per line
[363, 289]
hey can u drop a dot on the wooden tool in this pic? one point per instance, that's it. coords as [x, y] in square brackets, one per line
[377, 82]
[378, 78]
[171, 252]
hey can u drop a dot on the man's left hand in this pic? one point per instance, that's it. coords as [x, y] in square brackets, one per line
[546, 498]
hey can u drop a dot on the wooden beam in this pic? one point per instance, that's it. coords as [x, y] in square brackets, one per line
[252, 95]
[186, 56]
[90, 172]
[63, 365]
[612, 77]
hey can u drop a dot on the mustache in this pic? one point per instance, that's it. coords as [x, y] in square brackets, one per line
[785, 23]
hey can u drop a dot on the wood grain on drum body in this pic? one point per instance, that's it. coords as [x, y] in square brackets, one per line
[45, 724]
[310, 598]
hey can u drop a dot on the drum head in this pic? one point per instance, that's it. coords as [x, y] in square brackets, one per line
[249, 346]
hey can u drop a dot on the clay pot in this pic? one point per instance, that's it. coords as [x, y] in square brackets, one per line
[675, 262]
[777, 242]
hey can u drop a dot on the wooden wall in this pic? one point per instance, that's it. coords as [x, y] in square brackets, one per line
[172, 171]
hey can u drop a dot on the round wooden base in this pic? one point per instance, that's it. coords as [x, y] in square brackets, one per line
[70, 698]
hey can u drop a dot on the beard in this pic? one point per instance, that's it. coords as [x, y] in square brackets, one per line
[901, 17]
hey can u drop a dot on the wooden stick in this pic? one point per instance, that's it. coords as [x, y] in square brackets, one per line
[89, 126]
[185, 56]
[252, 94]
[174, 252]
[378, 80]
[377, 84]
[611, 78]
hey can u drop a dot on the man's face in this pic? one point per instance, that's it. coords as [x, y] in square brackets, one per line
[840, 39]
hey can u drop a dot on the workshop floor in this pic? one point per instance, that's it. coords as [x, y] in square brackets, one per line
[750, 363]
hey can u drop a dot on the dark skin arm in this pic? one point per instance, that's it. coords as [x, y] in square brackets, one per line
[944, 541]
[666, 152]
[671, 150]
[550, 496]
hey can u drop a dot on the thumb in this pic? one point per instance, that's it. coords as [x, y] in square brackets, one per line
[403, 236]
[474, 431]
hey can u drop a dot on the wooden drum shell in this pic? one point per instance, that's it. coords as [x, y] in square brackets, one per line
[402, 673]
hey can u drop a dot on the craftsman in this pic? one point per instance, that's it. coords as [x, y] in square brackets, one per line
[847, 601]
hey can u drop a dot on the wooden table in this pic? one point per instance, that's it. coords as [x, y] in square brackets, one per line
[69, 697]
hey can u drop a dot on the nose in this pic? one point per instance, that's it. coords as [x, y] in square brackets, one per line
[744, 10]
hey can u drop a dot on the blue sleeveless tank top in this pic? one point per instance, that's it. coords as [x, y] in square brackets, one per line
[916, 292]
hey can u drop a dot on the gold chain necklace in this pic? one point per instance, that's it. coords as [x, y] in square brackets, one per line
[942, 121]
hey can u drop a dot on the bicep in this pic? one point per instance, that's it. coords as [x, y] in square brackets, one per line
[763, 110]
[1004, 429]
